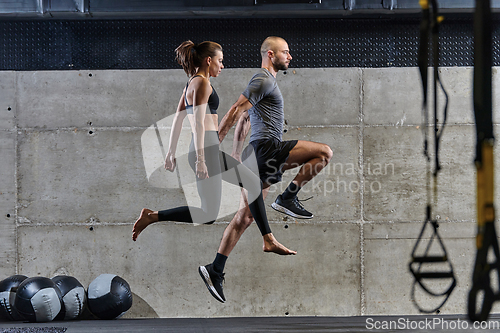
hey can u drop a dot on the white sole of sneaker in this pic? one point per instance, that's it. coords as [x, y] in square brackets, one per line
[282, 209]
[208, 282]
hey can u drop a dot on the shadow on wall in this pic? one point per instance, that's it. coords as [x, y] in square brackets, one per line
[140, 309]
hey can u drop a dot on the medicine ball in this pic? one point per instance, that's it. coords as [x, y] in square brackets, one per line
[38, 299]
[109, 296]
[8, 289]
[73, 296]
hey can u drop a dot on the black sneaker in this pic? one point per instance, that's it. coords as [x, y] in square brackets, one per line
[213, 281]
[291, 207]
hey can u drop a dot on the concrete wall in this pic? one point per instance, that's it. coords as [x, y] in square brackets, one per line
[74, 181]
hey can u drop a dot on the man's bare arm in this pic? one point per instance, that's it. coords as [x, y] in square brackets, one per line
[232, 116]
[240, 133]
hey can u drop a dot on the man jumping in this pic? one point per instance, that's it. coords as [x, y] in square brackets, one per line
[263, 103]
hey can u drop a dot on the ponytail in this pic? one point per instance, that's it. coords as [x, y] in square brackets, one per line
[190, 55]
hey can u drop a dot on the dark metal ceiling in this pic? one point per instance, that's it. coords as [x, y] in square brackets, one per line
[138, 9]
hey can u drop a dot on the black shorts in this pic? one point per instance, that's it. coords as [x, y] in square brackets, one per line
[271, 155]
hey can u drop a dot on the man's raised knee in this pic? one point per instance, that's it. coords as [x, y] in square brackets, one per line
[326, 152]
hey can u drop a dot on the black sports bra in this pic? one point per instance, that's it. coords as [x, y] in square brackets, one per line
[213, 100]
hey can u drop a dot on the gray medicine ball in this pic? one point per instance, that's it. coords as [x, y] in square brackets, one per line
[38, 299]
[73, 295]
[109, 296]
[8, 289]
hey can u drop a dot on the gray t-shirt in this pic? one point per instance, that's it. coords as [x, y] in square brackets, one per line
[266, 115]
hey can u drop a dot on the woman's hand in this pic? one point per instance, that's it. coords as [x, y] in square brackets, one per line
[170, 162]
[201, 170]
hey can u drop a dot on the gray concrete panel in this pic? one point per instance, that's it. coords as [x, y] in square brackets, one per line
[103, 98]
[77, 177]
[8, 166]
[8, 105]
[458, 83]
[321, 96]
[457, 178]
[8, 249]
[388, 282]
[161, 267]
[394, 162]
[392, 96]
[394, 171]
[8, 246]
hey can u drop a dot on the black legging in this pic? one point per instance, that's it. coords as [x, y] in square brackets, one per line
[221, 166]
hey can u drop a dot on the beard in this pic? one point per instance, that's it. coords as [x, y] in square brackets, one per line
[283, 66]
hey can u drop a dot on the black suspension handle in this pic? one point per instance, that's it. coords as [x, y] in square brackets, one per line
[481, 278]
[486, 238]
[419, 264]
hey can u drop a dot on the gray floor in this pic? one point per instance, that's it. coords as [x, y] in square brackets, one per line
[446, 323]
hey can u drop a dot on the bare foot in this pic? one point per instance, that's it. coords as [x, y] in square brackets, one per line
[272, 245]
[142, 222]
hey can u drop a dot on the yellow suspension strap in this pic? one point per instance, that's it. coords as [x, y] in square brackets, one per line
[424, 259]
[485, 266]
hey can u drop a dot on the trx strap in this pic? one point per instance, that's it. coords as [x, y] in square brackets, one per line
[486, 238]
[430, 23]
